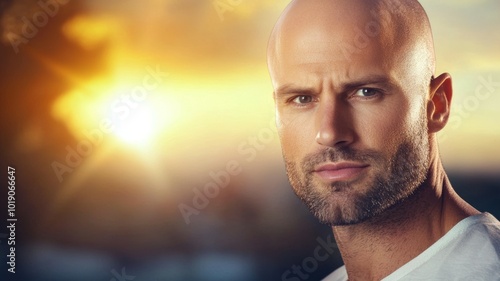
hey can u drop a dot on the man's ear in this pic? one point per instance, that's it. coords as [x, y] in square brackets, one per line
[439, 103]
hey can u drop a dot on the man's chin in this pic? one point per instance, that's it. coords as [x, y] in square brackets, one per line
[346, 221]
[345, 204]
[342, 210]
[342, 219]
[349, 208]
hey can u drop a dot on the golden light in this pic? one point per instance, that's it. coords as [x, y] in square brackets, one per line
[107, 101]
[139, 129]
[214, 92]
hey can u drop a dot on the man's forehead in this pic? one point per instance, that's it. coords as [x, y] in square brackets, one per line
[341, 81]
[317, 57]
[325, 48]
[344, 38]
[332, 37]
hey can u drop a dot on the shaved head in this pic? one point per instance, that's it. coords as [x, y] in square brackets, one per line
[396, 30]
[353, 81]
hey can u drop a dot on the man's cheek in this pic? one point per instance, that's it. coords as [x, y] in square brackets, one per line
[385, 132]
[289, 140]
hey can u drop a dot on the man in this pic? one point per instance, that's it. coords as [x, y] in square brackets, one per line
[358, 108]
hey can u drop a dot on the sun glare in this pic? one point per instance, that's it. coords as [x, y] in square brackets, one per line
[131, 122]
[139, 128]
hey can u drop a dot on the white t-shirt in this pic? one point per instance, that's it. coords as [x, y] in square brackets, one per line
[469, 251]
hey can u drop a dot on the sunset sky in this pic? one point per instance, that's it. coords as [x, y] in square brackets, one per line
[218, 84]
[215, 91]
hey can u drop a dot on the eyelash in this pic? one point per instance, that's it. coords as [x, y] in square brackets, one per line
[292, 100]
[377, 93]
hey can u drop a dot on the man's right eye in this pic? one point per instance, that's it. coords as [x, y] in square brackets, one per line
[302, 99]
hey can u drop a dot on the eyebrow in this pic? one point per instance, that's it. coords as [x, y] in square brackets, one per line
[383, 80]
[290, 88]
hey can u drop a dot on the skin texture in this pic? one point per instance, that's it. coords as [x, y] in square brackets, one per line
[354, 85]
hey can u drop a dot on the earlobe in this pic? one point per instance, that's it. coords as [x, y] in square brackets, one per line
[439, 103]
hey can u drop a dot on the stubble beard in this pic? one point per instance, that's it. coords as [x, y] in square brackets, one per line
[394, 179]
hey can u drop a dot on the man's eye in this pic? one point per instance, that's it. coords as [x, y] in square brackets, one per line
[366, 92]
[303, 99]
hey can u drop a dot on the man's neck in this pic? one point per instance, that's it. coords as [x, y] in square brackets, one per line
[374, 249]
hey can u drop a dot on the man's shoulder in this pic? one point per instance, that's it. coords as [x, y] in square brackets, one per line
[483, 228]
[489, 227]
[471, 249]
[491, 224]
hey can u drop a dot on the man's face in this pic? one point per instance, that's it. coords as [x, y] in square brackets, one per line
[353, 128]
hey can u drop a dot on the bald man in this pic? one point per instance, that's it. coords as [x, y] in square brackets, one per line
[358, 107]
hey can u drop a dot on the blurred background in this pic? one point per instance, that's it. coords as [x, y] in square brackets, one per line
[143, 139]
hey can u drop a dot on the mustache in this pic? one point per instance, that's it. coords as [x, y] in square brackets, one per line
[339, 154]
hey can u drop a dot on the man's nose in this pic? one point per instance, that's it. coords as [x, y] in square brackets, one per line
[334, 124]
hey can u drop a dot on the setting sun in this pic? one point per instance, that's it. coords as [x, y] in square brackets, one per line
[139, 128]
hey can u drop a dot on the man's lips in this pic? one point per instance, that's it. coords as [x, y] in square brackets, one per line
[340, 171]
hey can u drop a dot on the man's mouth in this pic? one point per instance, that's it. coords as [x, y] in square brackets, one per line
[340, 171]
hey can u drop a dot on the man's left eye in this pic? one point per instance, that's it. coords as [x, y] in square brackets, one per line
[366, 92]
[303, 99]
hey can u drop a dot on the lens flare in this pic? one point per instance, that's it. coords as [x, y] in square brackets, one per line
[138, 129]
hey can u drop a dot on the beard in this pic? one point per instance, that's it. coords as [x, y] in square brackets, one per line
[391, 180]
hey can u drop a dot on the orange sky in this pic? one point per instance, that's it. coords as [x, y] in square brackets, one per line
[218, 88]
